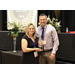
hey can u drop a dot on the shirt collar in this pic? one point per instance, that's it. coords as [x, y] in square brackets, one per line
[44, 27]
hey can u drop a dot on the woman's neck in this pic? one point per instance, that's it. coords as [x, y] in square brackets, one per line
[31, 36]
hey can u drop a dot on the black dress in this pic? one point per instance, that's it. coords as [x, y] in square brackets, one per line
[28, 57]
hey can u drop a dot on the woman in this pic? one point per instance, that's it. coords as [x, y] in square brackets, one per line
[29, 44]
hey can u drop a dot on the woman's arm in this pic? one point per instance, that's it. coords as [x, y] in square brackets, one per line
[24, 44]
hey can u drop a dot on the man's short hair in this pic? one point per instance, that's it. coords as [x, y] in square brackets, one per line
[43, 15]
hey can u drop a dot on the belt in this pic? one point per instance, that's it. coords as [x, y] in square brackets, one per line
[46, 50]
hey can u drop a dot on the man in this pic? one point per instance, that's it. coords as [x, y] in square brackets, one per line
[50, 41]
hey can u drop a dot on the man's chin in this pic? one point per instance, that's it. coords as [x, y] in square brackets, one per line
[42, 25]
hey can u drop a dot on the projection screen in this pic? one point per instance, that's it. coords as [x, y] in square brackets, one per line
[23, 16]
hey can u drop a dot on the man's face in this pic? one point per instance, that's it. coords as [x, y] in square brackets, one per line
[43, 20]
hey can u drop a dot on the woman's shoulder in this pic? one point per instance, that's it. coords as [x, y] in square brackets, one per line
[25, 37]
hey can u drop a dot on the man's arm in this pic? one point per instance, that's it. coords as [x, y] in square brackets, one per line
[55, 41]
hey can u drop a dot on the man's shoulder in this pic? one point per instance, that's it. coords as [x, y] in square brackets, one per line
[50, 26]
[38, 27]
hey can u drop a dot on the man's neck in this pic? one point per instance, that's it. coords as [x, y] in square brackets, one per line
[43, 26]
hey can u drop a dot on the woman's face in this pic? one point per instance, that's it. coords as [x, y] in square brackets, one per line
[31, 30]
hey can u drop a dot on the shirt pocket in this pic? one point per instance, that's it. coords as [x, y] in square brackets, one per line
[49, 36]
[48, 39]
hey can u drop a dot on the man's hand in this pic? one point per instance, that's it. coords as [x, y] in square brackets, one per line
[40, 43]
[52, 56]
